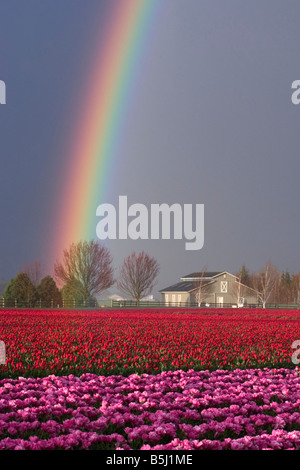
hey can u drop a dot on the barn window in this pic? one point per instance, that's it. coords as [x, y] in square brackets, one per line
[223, 286]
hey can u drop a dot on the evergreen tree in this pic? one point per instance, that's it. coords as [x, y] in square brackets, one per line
[21, 290]
[48, 293]
[8, 294]
[286, 278]
[244, 276]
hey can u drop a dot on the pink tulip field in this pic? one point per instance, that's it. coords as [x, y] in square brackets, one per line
[154, 381]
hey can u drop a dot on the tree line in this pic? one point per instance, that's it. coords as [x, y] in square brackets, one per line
[272, 286]
[269, 286]
[83, 273]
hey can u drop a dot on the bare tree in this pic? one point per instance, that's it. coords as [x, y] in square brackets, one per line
[284, 289]
[202, 287]
[137, 275]
[266, 282]
[33, 271]
[86, 268]
[238, 291]
[296, 288]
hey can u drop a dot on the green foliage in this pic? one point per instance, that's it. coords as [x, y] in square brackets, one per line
[48, 293]
[3, 285]
[72, 290]
[244, 276]
[21, 290]
[73, 295]
[9, 290]
[286, 278]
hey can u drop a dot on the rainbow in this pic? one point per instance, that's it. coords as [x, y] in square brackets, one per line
[92, 153]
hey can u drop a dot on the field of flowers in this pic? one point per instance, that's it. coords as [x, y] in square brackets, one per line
[39, 343]
[148, 379]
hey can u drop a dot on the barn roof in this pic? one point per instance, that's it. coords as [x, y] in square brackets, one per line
[207, 274]
[183, 286]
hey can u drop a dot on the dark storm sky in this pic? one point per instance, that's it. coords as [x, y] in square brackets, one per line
[211, 122]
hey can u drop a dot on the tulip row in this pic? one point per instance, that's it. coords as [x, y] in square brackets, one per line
[39, 343]
[242, 409]
[149, 380]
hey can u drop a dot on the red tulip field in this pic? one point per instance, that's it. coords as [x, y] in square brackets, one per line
[150, 379]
